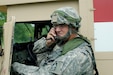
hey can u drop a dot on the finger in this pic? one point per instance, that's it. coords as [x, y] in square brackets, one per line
[52, 32]
[51, 36]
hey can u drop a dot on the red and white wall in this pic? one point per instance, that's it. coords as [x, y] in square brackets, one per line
[103, 25]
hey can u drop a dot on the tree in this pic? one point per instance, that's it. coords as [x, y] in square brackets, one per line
[2, 20]
[23, 32]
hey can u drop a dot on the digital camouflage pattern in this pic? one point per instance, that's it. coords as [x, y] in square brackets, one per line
[75, 62]
[60, 60]
[66, 15]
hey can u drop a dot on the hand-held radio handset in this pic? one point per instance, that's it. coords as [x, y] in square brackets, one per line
[55, 37]
[51, 46]
[52, 37]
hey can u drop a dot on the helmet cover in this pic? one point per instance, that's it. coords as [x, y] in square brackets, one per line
[66, 15]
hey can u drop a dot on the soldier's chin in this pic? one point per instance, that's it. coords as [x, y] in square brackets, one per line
[65, 37]
[62, 38]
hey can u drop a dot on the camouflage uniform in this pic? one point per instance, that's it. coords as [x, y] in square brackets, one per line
[75, 62]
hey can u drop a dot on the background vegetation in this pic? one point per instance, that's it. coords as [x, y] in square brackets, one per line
[23, 32]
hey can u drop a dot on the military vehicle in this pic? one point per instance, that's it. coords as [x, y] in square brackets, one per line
[36, 14]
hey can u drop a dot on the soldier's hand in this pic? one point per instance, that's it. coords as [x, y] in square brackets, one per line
[50, 37]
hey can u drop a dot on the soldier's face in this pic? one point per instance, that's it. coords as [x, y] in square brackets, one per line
[61, 30]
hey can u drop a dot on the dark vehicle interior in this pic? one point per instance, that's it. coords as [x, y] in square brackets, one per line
[22, 48]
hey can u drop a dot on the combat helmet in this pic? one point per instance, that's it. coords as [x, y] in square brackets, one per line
[66, 15]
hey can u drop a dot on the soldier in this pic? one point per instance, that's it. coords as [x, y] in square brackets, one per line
[63, 51]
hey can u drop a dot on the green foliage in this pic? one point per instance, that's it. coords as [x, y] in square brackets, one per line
[23, 32]
[45, 30]
[2, 20]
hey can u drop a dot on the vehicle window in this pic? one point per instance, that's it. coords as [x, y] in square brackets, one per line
[23, 32]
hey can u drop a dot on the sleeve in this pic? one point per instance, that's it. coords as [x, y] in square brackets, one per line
[73, 63]
[39, 46]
